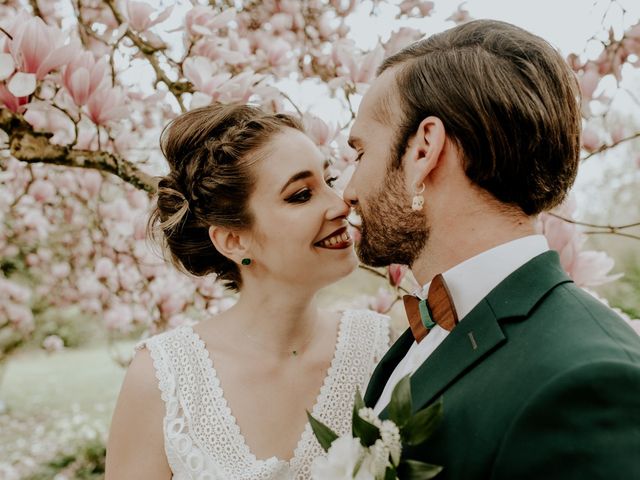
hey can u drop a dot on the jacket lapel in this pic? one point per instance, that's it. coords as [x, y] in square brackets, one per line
[480, 333]
[385, 368]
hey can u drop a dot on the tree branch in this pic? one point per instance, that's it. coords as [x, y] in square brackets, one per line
[176, 88]
[608, 228]
[31, 147]
[612, 145]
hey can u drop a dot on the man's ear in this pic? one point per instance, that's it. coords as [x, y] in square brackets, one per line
[229, 243]
[427, 149]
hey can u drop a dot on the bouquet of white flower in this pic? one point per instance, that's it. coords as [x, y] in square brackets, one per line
[373, 451]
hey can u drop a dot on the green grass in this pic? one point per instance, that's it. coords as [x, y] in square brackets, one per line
[84, 377]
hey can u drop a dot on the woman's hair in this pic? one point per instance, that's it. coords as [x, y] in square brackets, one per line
[210, 151]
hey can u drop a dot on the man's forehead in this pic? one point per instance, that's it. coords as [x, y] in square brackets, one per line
[377, 105]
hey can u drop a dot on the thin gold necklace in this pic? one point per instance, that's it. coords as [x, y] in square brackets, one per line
[290, 349]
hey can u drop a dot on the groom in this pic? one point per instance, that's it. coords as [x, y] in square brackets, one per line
[462, 139]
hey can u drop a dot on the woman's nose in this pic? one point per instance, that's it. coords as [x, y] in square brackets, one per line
[338, 208]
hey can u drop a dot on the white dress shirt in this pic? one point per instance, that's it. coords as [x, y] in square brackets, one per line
[469, 282]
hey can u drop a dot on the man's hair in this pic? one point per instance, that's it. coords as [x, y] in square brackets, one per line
[507, 100]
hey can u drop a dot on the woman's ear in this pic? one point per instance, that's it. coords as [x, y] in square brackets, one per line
[229, 243]
[426, 151]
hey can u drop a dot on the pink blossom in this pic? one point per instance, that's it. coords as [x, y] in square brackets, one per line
[91, 183]
[461, 15]
[400, 39]
[21, 316]
[43, 191]
[239, 88]
[39, 48]
[7, 66]
[138, 199]
[22, 84]
[617, 134]
[278, 52]
[586, 268]
[321, 133]
[590, 139]
[396, 273]
[104, 268]
[202, 73]
[589, 81]
[83, 76]
[592, 268]
[383, 301]
[118, 318]
[424, 7]
[281, 22]
[203, 20]
[139, 15]
[362, 69]
[106, 105]
[9, 100]
[61, 270]
[53, 343]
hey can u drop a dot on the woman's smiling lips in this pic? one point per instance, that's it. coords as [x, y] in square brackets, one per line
[337, 240]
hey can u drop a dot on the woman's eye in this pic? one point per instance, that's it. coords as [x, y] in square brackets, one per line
[300, 197]
[331, 181]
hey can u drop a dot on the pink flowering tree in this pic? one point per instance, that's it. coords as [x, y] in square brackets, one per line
[87, 85]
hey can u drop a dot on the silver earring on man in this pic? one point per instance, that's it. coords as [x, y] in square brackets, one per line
[418, 200]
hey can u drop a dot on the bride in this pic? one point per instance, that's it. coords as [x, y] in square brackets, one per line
[249, 197]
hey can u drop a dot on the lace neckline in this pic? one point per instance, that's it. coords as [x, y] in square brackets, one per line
[234, 429]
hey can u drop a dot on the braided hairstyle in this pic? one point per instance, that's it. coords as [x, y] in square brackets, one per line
[210, 151]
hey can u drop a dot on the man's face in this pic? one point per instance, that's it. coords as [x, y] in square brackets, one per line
[391, 231]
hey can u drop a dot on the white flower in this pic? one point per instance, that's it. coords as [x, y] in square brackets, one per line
[390, 435]
[341, 460]
[53, 343]
[368, 415]
[379, 455]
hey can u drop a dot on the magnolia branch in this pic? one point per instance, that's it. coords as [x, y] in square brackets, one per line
[612, 145]
[176, 88]
[602, 229]
[30, 147]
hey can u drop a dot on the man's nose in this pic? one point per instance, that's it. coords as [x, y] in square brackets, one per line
[349, 194]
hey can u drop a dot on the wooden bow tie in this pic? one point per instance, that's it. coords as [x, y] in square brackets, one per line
[438, 308]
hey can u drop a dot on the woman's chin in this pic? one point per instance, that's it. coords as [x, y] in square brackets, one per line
[343, 267]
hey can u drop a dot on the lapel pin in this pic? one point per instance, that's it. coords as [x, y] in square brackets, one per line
[474, 345]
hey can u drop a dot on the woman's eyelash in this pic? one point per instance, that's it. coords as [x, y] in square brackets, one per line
[359, 157]
[300, 196]
[304, 195]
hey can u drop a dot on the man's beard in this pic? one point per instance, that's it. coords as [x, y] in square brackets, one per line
[391, 231]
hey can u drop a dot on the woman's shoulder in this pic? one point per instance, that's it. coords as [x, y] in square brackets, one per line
[164, 338]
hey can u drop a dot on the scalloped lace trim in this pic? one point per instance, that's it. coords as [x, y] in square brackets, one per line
[202, 438]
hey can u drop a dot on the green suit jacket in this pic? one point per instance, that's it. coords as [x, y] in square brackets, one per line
[539, 381]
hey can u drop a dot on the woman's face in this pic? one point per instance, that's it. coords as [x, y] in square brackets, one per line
[300, 227]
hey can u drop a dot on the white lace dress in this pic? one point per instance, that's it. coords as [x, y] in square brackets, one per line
[202, 438]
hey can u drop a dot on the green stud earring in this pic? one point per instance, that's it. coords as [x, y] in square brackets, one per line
[246, 261]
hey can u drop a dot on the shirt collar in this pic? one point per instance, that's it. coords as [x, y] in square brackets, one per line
[472, 280]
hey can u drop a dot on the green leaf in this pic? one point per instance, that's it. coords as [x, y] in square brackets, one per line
[359, 402]
[414, 470]
[400, 405]
[390, 473]
[324, 434]
[421, 426]
[360, 428]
